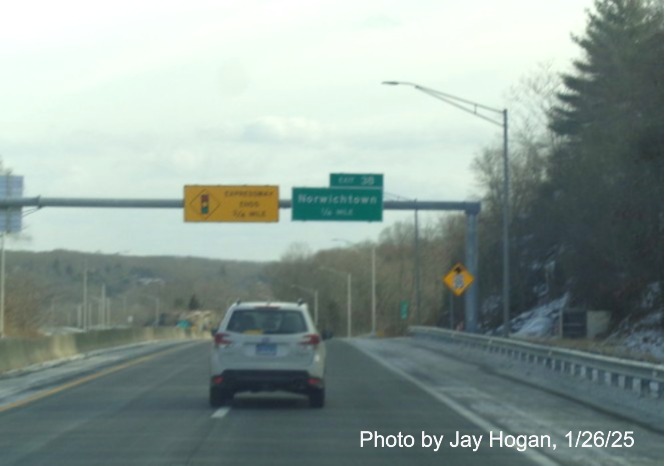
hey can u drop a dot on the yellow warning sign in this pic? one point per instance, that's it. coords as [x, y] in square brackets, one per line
[458, 279]
[231, 203]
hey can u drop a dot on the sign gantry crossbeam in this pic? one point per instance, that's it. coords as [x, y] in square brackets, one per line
[471, 209]
[117, 203]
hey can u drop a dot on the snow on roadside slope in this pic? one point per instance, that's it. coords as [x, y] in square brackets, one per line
[641, 338]
[22, 383]
[502, 393]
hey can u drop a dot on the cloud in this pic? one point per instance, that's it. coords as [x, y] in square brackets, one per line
[233, 77]
[136, 99]
[379, 21]
[281, 130]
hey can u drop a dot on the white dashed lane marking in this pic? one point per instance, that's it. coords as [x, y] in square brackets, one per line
[220, 413]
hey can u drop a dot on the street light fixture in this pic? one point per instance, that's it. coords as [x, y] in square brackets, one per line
[349, 297]
[474, 108]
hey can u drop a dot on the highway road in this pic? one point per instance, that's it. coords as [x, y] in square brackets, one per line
[154, 411]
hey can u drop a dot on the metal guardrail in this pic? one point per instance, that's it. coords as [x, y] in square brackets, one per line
[642, 378]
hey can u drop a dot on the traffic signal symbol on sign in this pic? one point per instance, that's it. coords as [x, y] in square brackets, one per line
[204, 204]
[458, 279]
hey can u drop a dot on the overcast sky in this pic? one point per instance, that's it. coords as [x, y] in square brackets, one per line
[136, 99]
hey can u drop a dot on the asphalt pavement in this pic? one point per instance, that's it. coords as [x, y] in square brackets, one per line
[154, 411]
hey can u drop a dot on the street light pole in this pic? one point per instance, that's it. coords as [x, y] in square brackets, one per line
[374, 291]
[157, 311]
[417, 267]
[505, 227]
[2, 284]
[316, 305]
[373, 281]
[315, 294]
[474, 108]
[102, 306]
[85, 316]
[349, 304]
[157, 306]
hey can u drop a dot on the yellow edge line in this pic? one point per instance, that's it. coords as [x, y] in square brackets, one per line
[85, 379]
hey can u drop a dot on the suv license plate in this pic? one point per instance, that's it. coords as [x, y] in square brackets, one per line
[267, 349]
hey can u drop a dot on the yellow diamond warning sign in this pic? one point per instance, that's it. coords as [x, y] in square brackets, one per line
[458, 279]
[231, 203]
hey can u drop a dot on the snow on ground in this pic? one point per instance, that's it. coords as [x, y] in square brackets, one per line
[503, 393]
[537, 322]
[640, 338]
[22, 383]
[644, 336]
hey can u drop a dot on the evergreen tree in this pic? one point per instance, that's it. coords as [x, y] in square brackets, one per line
[194, 304]
[604, 195]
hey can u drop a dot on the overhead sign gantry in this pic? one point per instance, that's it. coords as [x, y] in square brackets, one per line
[240, 203]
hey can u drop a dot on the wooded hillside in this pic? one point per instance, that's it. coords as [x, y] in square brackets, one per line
[586, 150]
[45, 289]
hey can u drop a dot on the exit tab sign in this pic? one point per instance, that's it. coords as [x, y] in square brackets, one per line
[356, 180]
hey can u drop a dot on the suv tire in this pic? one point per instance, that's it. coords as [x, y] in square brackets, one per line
[219, 397]
[317, 397]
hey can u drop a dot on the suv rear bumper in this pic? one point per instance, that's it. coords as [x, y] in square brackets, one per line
[267, 380]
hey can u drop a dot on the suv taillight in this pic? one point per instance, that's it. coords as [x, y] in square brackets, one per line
[222, 339]
[311, 339]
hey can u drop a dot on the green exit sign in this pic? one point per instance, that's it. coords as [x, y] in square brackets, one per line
[356, 180]
[337, 204]
[404, 310]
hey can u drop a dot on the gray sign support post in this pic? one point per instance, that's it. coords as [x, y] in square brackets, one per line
[471, 209]
[471, 262]
[11, 187]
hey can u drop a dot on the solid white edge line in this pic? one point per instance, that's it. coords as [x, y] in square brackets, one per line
[534, 455]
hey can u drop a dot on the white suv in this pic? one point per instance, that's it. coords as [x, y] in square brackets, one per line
[264, 346]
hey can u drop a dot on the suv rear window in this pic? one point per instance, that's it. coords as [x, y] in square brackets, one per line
[267, 321]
